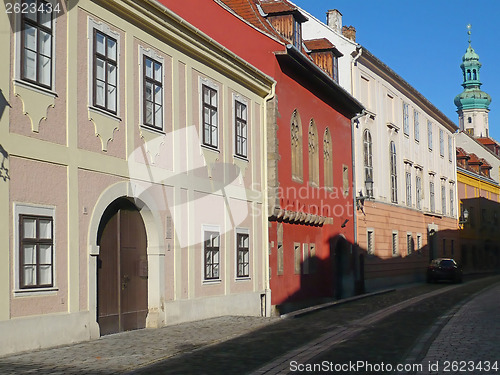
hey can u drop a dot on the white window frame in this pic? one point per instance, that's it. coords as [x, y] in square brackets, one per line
[418, 188]
[450, 148]
[443, 197]
[409, 243]
[406, 119]
[419, 241]
[370, 241]
[429, 135]
[18, 46]
[416, 126]
[205, 81]
[105, 29]
[441, 143]
[395, 244]
[148, 52]
[408, 187]
[247, 232]
[35, 210]
[244, 101]
[210, 228]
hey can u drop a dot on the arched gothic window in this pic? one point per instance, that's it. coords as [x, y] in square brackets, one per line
[474, 75]
[328, 163]
[368, 158]
[394, 177]
[296, 146]
[313, 154]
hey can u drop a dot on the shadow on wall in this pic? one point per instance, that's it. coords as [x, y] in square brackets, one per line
[4, 170]
[350, 270]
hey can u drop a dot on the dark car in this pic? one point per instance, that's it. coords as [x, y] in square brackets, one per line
[444, 269]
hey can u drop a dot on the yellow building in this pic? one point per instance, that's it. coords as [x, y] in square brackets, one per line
[479, 199]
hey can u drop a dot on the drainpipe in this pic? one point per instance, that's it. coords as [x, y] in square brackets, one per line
[266, 213]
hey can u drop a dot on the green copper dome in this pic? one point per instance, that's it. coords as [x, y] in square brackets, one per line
[472, 97]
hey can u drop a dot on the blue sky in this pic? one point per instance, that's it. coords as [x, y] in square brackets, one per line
[424, 41]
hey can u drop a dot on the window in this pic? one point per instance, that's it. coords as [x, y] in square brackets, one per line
[416, 126]
[105, 72]
[431, 197]
[36, 251]
[280, 249]
[212, 255]
[370, 245]
[313, 154]
[335, 62]
[394, 181]
[419, 241]
[443, 198]
[297, 34]
[452, 200]
[305, 257]
[441, 142]
[395, 251]
[296, 146]
[408, 189]
[429, 135]
[36, 42]
[406, 119]
[296, 253]
[210, 119]
[242, 249]
[418, 187]
[241, 131]
[450, 148]
[328, 160]
[153, 93]
[409, 243]
[368, 158]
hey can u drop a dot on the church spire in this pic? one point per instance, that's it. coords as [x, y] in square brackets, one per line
[472, 104]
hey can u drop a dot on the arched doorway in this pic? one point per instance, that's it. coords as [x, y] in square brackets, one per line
[122, 269]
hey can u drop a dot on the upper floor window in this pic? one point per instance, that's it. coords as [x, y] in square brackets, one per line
[36, 42]
[368, 158]
[297, 33]
[406, 119]
[450, 148]
[153, 93]
[443, 197]
[432, 206]
[416, 126]
[36, 242]
[241, 129]
[408, 189]
[394, 178]
[452, 200]
[296, 146]
[328, 159]
[210, 118]
[335, 68]
[418, 189]
[441, 142]
[313, 154]
[105, 72]
[429, 135]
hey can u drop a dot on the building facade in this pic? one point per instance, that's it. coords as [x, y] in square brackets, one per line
[309, 165]
[404, 149]
[132, 183]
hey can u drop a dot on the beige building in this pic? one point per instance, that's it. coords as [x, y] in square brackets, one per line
[130, 191]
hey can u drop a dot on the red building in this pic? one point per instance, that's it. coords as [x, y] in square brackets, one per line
[309, 141]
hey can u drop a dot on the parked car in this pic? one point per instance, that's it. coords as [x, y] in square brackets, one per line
[444, 269]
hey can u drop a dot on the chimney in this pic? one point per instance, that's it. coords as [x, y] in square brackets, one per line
[349, 32]
[334, 20]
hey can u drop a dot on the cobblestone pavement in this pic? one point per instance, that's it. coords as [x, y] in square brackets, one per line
[470, 341]
[237, 345]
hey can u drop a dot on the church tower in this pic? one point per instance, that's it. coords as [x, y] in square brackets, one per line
[472, 104]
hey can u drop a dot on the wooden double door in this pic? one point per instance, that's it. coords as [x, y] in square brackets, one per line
[122, 270]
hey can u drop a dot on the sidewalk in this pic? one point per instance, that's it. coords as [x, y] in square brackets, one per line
[470, 341]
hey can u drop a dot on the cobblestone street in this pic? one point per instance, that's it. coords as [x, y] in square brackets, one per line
[345, 332]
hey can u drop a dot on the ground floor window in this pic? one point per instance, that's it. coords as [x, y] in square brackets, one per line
[36, 249]
[211, 251]
[242, 250]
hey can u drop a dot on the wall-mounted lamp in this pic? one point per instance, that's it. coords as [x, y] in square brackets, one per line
[463, 218]
[360, 201]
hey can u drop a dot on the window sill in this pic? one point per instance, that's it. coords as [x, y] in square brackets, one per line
[35, 292]
[152, 130]
[242, 158]
[104, 113]
[210, 148]
[32, 86]
[243, 278]
[212, 282]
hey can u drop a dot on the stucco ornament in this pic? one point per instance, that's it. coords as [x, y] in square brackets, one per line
[35, 105]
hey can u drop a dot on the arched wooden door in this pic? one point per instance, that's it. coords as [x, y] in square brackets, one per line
[122, 285]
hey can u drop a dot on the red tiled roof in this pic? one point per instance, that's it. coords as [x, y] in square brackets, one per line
[485, 163]
[461, 154]
[487, 141]
[316, 44]
[277, 6]
[474, 159]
